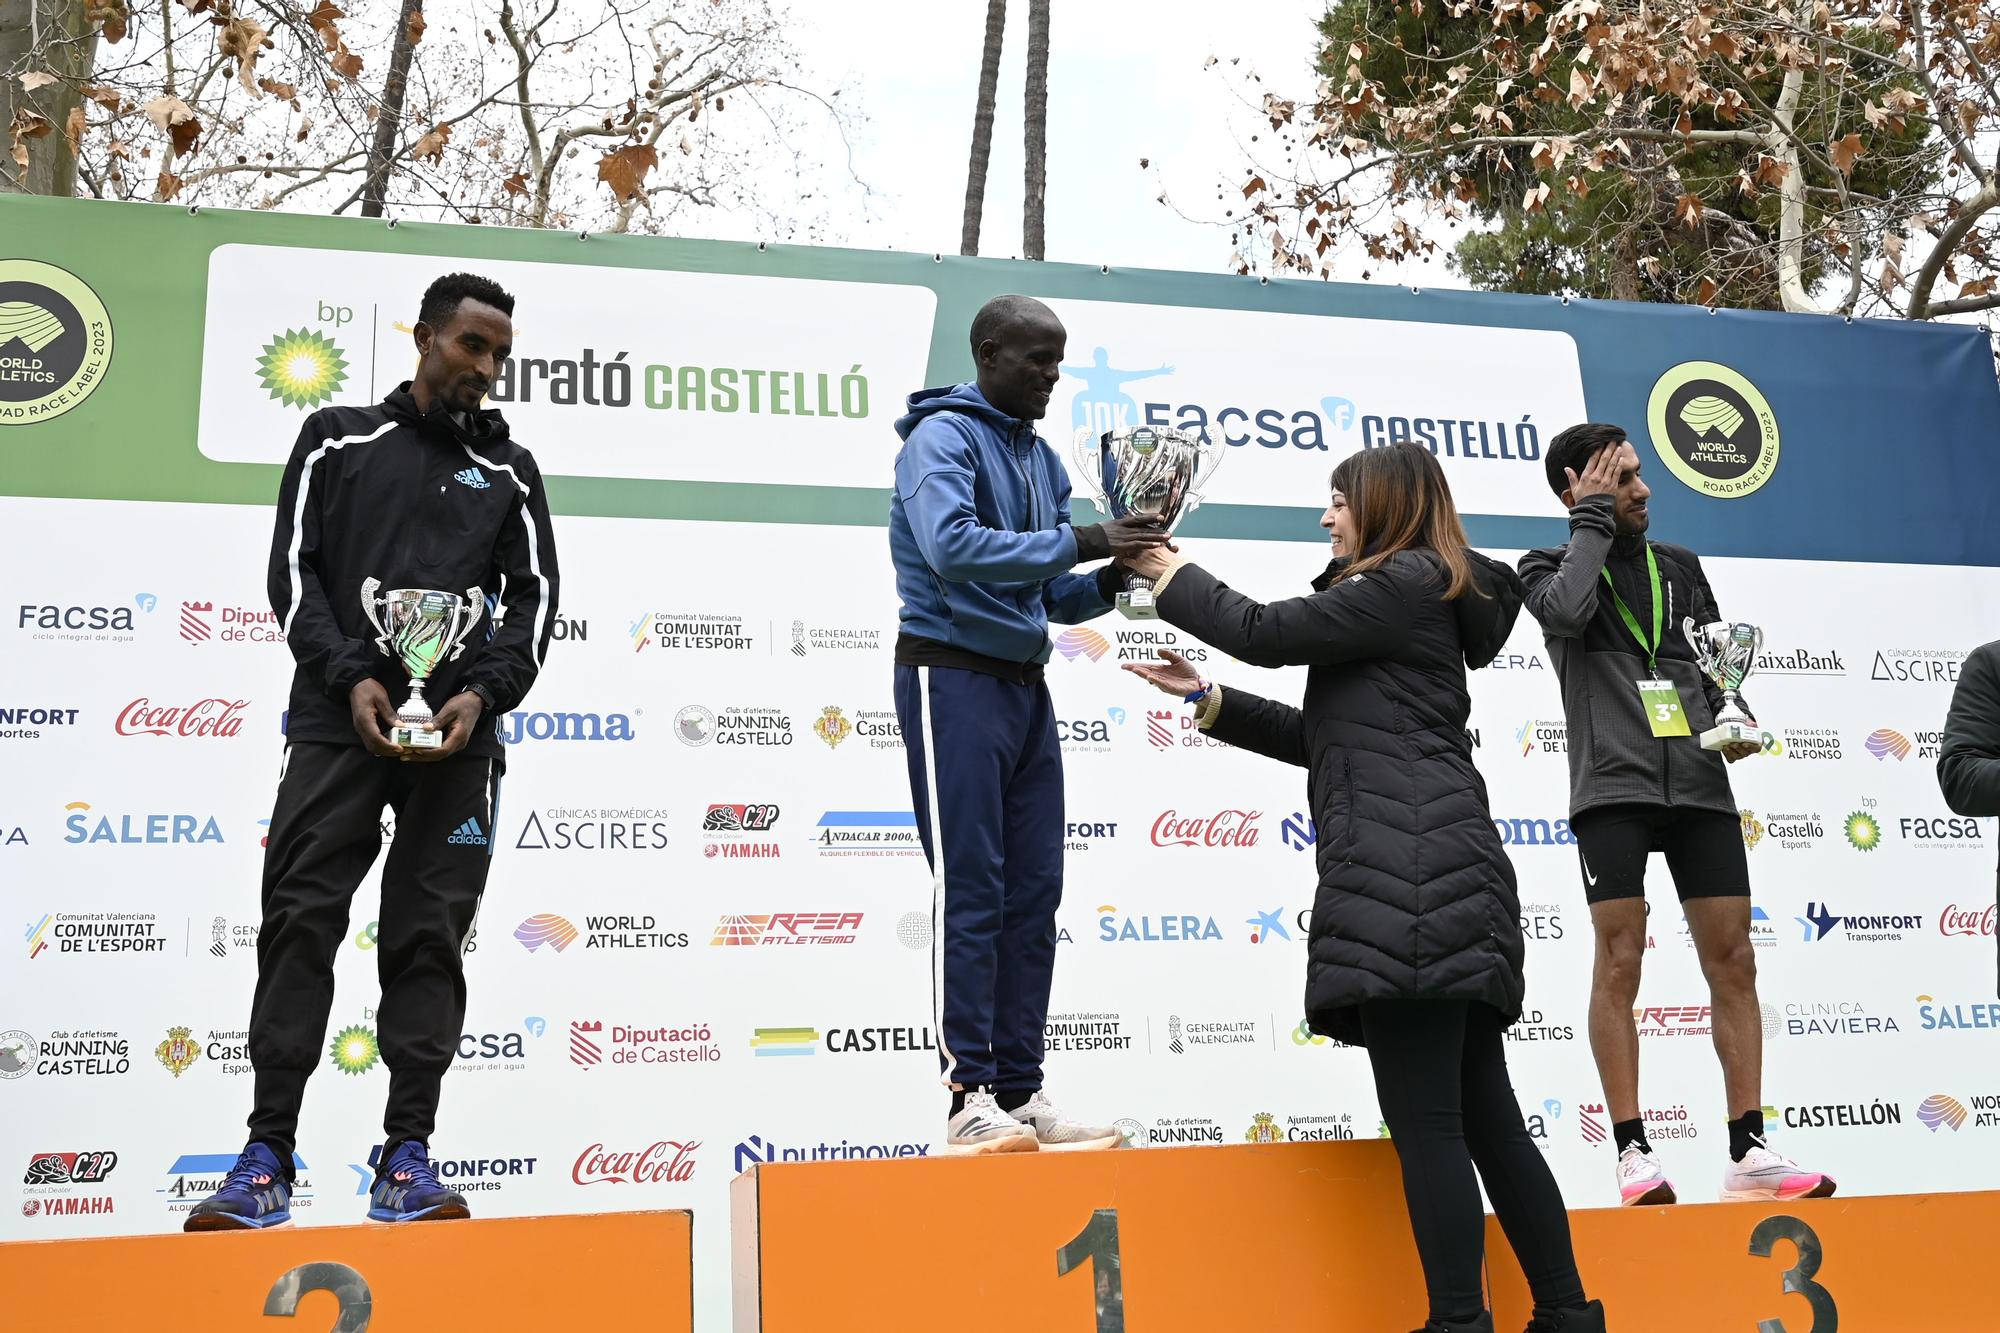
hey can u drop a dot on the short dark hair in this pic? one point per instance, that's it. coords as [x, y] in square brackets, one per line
[1575, 447]
[1000, 312]
[441, 298]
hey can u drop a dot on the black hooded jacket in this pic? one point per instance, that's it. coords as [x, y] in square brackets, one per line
[1417, 899]
[417, 500]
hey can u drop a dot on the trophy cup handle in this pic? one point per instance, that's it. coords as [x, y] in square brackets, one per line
[1087, 453]
[475, 601]
[369, 587]
[1208, 454]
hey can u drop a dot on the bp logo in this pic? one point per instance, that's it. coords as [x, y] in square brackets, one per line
[1863, 833]
[354, 1050]
[55, 341]
[1713, 429]
[302, 367]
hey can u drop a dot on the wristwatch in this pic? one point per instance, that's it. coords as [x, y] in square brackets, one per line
[485, 695]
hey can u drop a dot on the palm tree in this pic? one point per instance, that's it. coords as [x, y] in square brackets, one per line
[1037, 153]
[982, 127]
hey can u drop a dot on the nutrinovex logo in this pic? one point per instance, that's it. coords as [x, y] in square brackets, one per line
[55, 341]
[302, 367]
[1713, 429]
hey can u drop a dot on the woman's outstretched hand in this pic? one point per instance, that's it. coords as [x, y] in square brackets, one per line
[1175, 677]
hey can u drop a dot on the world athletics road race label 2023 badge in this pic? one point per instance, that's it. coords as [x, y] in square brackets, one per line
[1713, 429]
[55, 341]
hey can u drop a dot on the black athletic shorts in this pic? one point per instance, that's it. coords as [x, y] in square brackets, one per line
[1704, 851]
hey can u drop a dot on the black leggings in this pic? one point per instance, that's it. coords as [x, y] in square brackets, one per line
[1441, 1076]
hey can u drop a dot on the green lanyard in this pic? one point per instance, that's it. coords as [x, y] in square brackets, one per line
[1652, 650]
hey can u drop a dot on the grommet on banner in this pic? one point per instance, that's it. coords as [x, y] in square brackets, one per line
[392, 224]
[1104, 268]
[1565, 298]
[761, 247]
[1263, 280]
[1847, 319]
[1416, 290]
[937, 258]
[194, 210]
[1711, 310]
[583, 236]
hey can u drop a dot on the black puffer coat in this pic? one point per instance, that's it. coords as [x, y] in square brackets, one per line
[1416, 898]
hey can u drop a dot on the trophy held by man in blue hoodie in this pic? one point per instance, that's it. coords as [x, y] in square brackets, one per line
[983, 546]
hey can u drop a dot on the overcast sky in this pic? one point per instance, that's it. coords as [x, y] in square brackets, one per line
[1126, 81]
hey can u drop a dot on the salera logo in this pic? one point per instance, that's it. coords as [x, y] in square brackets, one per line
[55, 341]
[1713, 429]
[302, 367]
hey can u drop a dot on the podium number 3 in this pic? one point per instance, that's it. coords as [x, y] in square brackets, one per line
[1097, 1243]
[1799, 1277]
[357, 1303]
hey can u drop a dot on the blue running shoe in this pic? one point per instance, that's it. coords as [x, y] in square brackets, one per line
[407, 1189]
[254, 1194]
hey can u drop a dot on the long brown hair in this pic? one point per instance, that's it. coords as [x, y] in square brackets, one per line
[1401, 501]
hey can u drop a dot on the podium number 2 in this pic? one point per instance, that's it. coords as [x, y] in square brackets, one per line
[1098, 1243]
[357, 1303]
[1799, 1277]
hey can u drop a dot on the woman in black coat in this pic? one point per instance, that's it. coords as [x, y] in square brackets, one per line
[1415, 945]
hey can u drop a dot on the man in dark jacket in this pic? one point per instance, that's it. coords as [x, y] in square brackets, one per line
[421, 491]
[1612, 606]
[980, 534]
[1969, 761]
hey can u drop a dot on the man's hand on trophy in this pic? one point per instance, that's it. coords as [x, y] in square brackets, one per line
[1740, 750]
[1119, 537]
[373, 716]
[1154, 562]
[456, 720]
[1175, 677]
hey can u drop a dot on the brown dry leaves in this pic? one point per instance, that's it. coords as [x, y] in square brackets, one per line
[624, 170]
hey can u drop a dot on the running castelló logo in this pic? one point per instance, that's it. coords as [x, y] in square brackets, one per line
[301, 367]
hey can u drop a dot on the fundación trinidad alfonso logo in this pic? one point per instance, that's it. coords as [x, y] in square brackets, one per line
[55, 341]
[354, 1049]
[1863, 833]
[301, 367]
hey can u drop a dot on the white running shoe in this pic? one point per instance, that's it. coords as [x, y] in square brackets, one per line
[1641, 1179]
[1056, 1132]
[982, 1127]
[1764, 1175]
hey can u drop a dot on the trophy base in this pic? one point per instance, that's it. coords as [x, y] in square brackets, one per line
[1138, 604]
[1726, 734]
[415, 738]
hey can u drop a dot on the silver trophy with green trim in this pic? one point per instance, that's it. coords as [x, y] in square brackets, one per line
[422, 628]
[1727, 653]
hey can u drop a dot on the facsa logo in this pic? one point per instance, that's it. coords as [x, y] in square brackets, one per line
[138, 828]
[49, 617]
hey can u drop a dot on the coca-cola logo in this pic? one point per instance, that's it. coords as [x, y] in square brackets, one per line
[204, 717]
[1975, 921]
[1225, 828]
[665, 1160]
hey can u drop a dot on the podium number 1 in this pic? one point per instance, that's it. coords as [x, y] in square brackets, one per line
[1098, 1243]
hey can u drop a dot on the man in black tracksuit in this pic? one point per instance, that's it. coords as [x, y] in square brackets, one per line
[423, 490]
[1635, 700]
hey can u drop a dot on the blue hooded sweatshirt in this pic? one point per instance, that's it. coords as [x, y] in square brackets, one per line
[979, 530]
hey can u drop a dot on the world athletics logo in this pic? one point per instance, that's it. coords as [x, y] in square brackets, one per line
[1940, 1109]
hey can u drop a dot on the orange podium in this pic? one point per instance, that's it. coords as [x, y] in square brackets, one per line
[1896, 1263]
[494, 1275]
[1278, 1237]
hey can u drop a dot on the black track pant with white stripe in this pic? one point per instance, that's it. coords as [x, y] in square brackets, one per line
[986, 774]
[326, 832]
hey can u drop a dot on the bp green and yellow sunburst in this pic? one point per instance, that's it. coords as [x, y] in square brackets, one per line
[355, 1050]
[302, 367]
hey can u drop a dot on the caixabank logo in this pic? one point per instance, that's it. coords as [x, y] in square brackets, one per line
[55, 341]
[1713, 429]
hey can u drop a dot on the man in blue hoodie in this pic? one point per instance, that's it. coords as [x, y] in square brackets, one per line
[980, 533]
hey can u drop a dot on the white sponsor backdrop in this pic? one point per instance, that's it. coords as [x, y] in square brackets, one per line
[1865, 1023]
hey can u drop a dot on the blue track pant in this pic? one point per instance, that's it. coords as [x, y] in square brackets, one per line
[986, 777]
